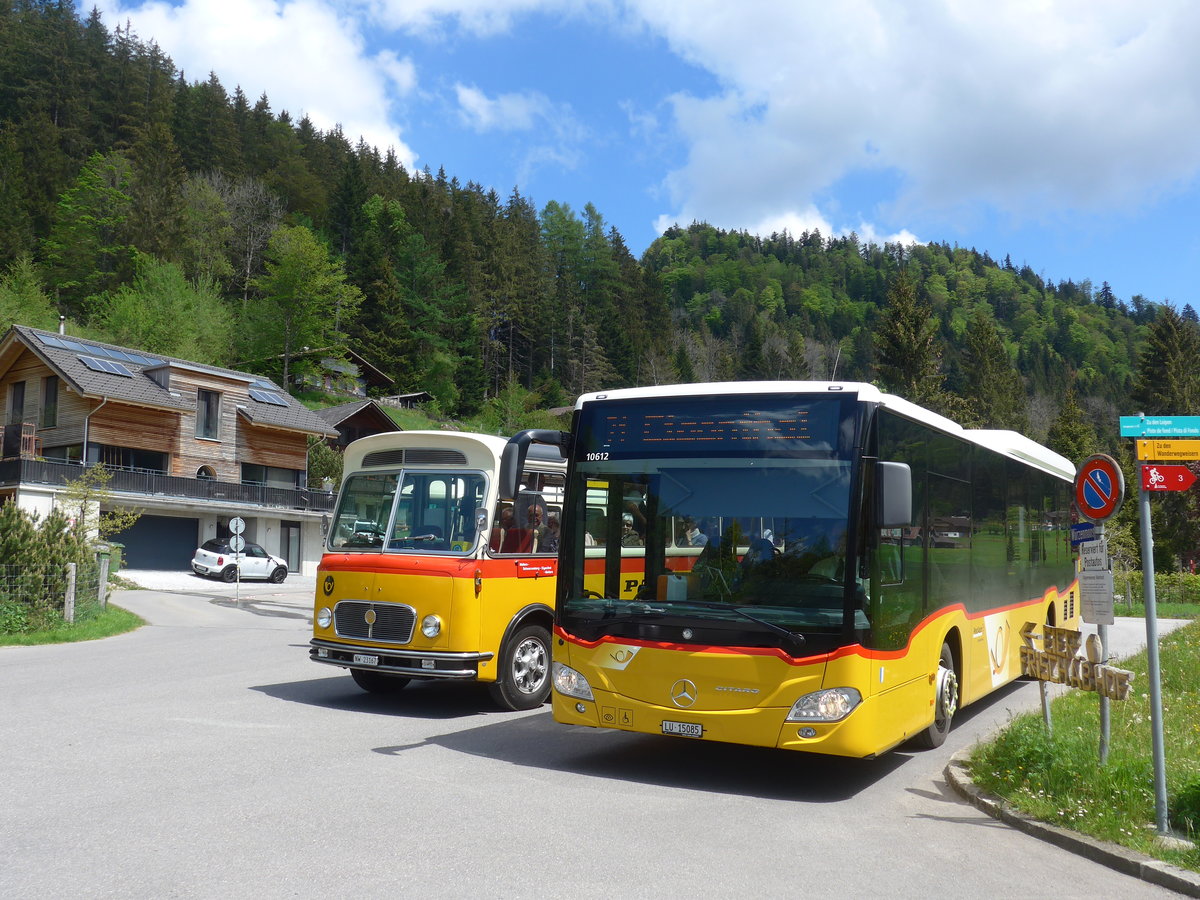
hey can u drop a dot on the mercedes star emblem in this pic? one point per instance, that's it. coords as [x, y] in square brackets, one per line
[683, 693]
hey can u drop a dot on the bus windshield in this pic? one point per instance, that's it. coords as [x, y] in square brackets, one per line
[733, 513]
[413, 511]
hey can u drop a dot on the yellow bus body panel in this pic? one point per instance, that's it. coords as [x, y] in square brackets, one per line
[443, 587]
[743, 696]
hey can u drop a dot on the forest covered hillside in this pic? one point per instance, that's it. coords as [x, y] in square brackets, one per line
[162, 211]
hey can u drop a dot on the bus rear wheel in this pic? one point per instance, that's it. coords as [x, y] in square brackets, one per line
[524, 670]
[378, 682]
[945, 702]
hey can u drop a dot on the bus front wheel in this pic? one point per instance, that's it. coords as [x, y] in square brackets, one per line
[377, 682]
[945, 702]
[524, 676]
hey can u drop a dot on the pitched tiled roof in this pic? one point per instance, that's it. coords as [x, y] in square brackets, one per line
[94, 369]
[336, 415]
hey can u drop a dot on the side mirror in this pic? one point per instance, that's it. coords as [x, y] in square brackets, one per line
[512, 460]
[324, 525]
[481, 519]
[894, 495]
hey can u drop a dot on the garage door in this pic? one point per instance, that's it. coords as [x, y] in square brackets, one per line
[160, 542]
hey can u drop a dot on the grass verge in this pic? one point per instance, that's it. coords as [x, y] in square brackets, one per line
[1169, 609]
[107, 622]
[1057, 778]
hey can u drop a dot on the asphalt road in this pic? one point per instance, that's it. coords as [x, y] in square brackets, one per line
[205, 756]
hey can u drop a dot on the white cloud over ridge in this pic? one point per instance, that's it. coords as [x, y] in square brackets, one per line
[1018, 106]
[307, 56]
[1015, 108]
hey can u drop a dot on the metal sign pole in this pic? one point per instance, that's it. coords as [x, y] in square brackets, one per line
[1102, 631]
[1156, 726]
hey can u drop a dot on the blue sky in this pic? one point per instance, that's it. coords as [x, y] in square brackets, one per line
[1065, 133]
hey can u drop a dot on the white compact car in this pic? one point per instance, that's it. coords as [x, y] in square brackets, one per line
[215, 558]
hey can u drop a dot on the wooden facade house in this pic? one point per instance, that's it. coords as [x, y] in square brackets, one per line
[189, 444]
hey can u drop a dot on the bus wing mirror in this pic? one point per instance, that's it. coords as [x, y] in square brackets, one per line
[512, 460]
[481, 519]
[895, 495]
[324, 524]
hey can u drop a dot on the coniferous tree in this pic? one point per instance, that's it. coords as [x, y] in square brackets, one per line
[156, 209]
[1168, 380]
[993, 392]
[906, 345]
[88, 250]
[1071, 434]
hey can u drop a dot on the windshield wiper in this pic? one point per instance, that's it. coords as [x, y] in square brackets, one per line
[793, 641]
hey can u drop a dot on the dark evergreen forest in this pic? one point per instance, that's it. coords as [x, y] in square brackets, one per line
[165, 212]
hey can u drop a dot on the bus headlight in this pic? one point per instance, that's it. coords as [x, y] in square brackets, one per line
[324, 616]
[829, 705]
[431, 626]
[568, 681]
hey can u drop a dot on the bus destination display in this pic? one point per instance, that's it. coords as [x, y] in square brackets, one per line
[778, 428]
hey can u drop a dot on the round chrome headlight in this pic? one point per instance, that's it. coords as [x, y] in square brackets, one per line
[324, 616]
[431, 626]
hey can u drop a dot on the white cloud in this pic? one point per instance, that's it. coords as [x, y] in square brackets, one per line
[1023, 107]
[506, 112]
[483, 18]
[304, 54]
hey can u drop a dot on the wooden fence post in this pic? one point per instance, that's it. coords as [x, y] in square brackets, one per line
[69, 600]
[102, 589]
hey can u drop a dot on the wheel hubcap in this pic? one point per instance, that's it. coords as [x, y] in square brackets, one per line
[947, 704]
[529, 666]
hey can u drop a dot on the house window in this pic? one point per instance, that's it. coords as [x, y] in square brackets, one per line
[16, 403]
[271, 476]
[49, 401]
[208, 414]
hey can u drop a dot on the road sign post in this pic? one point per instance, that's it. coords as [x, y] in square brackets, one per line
[237, 544]
[1152, 670]
[1099, 492]
[1178, 444]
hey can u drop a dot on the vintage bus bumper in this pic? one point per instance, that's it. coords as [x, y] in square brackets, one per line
[390, 661]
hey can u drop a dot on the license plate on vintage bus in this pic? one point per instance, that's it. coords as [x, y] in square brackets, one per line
[363, 659]
[683, 729]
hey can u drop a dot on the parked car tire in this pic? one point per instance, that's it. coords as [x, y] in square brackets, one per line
[278, 575]
[229, 574]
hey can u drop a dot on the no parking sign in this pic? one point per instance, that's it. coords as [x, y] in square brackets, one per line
[1099, 488]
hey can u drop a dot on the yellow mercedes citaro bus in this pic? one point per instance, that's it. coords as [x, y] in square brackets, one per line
[426, 575]
[813, 566]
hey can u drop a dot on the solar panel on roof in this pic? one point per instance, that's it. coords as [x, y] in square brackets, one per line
[51, 340]
[105, 365]
[267, 397]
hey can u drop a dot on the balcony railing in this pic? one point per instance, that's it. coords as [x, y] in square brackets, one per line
[32, 471]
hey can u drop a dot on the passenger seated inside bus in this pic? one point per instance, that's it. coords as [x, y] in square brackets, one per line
[526, 527]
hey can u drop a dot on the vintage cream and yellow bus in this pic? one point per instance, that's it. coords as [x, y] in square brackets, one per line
[806, 565]
[427, 576]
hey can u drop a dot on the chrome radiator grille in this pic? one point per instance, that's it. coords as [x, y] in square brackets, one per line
[391, 622]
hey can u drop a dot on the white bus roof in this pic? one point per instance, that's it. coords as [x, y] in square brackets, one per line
[481, 451]
[1007, 443]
